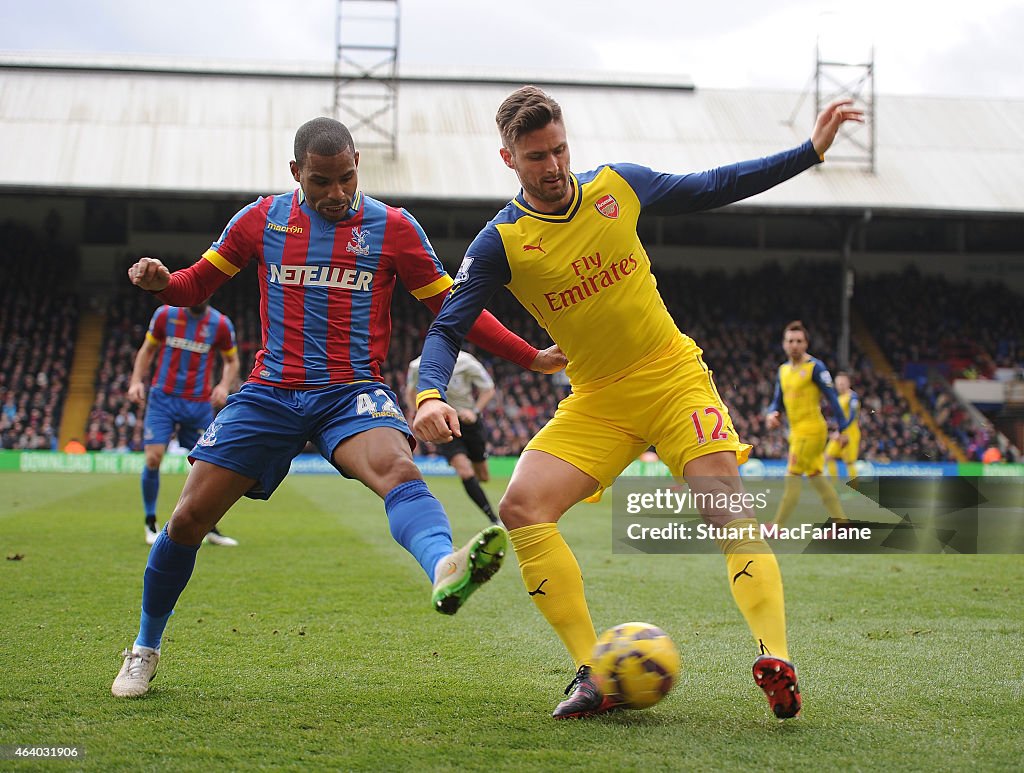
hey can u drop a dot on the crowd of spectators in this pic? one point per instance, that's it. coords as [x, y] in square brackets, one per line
[934, 330]
[966, 327]
[737, 318]
[741, 338]
[38, 325]
[115, 423]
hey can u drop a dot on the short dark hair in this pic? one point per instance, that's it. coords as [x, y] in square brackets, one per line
[323, 137]
[797, 325]
[523, 111]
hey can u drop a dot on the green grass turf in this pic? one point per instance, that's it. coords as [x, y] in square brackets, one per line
[312, 646]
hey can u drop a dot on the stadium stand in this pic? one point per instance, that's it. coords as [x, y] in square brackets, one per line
[925, 325]
[38, 321]
[934, 330]
[741, 340]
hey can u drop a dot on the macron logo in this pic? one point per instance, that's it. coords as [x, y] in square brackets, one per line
[321, 276]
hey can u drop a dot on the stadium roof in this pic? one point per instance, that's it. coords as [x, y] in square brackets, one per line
[114, 126]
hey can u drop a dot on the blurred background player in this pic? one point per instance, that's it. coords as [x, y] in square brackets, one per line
[467, 454]
[849, 403]
[181, 401]
[329, 258]
[800, 383]
[567, 247]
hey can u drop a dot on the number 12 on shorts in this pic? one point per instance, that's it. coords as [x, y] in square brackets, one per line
[718, 433]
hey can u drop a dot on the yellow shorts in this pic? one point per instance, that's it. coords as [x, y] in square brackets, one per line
[848, 454]
[670, 402]
[807, 452]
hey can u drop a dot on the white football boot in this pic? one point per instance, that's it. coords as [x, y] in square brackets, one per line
[136, 672]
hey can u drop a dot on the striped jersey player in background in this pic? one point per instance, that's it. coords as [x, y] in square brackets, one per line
[466, 454]
[568, 249]
[328, 258]
[181, 401]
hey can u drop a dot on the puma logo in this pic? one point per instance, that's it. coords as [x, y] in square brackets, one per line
[528, 247]
[742, 571]
[539, 591]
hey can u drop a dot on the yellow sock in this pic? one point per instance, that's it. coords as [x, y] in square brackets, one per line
[756, 585]
[790, 496]
[829, 498]
[554, 582]
[851, 472]
[833, 468]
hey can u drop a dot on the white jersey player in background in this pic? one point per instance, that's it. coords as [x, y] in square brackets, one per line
[469, 390]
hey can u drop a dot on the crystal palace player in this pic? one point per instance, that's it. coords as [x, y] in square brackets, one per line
[180, 399]
[567, 248]
[328, 257]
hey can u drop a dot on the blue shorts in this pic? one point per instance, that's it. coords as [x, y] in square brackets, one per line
[262, 428]
[164, 412]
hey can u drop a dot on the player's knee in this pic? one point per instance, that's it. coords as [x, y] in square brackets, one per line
[720, 464]
[154, 456]
[189, 523]
[395, 471]
[515, 509]
[462, 467]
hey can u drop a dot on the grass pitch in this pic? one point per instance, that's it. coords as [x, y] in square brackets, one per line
[312, 646]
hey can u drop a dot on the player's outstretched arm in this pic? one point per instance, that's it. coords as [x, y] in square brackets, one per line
[489, 334]
[678, 194]
[836, 113]
[187, 287]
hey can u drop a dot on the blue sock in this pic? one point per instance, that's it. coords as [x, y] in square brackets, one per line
[167, 572]
[150, 490]
[419, 523]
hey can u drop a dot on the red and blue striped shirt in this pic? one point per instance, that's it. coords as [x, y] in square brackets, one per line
[326, 287]
[185, 368]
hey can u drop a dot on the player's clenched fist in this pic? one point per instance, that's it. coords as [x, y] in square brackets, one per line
[550, 360]
[436, 421]
[137, 392]
[149, 274]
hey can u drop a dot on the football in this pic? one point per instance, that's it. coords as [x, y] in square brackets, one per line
[636, 664]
